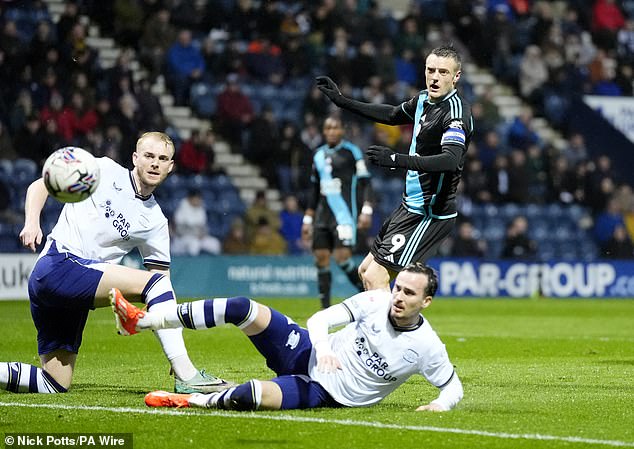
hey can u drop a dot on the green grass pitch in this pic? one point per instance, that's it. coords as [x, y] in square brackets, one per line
[537, 373]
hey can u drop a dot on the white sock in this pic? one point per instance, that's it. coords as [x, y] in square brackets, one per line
[201, 400]
[24, 378]
[173, 344]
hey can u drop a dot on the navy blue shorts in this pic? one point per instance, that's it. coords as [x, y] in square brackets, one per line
[62, 290]
[286, 348]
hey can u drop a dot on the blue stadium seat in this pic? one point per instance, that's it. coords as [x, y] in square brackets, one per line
[25, 170]
[9, 243]
[203, 99]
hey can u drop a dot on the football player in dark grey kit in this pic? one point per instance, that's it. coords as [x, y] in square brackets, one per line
[339, 205]
[443, 128]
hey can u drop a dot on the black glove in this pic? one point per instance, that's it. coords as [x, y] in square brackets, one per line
[385, 157]
[329, 88]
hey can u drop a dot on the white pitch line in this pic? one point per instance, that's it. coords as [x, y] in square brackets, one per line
[341, 422]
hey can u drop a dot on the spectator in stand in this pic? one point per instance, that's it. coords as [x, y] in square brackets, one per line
[466, 242]
[625, 41]
[364, 64]
[56, 112]
[340, 54]
[607, 221]
[264, 139]
[22, 108]
[537, 167]
[476, 182]
[292, 162]
[263, 60]
[235, 241]
[47, 85]
[82, 85]
[83, 116]
[521, 134]
[196, 155]
[127, 119]
[14, 49]
[499, 179]
[30, 142]
[68, 19]
[607, 20]
[7, 151]
[311, 134]
[260, 210]
[43, 39]
[519, 176]
[234, 110]
[601, 182]
[158, 36]
[191, 236]
[410, 37]
[291, 226]
[190, 159]
[486, 114]
[619, 245]
[266, 240]
[560, 179]
[185, 64]
[150, 109]
[533, 74]
[576, 151]
[316, 104]
[128, 21]
[7, 214]
[490, 147]
[517, 244]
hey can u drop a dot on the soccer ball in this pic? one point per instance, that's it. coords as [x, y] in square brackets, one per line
[71, 174]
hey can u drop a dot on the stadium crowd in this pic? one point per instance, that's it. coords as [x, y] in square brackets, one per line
[249, 66]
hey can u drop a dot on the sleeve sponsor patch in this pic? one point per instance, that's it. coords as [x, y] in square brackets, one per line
[454, 136]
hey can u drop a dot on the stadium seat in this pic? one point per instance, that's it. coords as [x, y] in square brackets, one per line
[25, 170]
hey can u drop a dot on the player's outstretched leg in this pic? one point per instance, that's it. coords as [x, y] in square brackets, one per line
[23, 378]
[130, 320]
[204, 314]
[244, 397]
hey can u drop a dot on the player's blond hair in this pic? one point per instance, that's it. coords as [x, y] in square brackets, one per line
[159, 136]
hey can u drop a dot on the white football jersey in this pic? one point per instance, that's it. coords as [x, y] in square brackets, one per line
[113, 221]
[377, 357]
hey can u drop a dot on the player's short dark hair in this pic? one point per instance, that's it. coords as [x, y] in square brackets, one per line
[432, 277]
[448, 51]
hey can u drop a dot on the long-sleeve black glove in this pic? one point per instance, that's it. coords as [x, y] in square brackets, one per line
[385, 157]
[329, 88]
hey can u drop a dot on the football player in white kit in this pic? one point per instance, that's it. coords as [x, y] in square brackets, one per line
[78, 267]
[385, 340]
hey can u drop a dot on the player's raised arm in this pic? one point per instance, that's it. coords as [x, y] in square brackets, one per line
[382, 113]
[36, 195]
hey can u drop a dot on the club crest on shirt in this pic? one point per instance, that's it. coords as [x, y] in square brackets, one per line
[410, 356]
[293, 340]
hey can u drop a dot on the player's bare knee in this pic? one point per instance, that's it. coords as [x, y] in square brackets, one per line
[261, 321]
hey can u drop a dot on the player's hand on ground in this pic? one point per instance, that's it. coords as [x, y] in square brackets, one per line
[382, 156]
[329, 88]
[31, 236]
[431, 407]
[328, 363]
